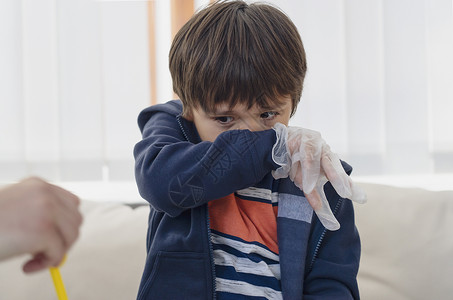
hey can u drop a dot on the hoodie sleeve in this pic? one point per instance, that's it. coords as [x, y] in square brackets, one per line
[334, 259]
[174, 174]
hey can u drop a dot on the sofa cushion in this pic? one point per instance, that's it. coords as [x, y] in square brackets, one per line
[407, 243]
[105, 263]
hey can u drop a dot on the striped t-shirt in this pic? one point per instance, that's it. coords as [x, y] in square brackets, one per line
[245, 248]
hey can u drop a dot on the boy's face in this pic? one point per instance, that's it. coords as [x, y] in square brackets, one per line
[209, 125]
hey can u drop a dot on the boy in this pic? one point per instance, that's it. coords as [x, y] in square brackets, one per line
[221, 225]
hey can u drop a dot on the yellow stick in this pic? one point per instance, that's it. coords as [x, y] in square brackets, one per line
[58, 282]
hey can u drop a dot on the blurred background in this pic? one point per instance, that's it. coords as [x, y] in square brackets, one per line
[74, 74]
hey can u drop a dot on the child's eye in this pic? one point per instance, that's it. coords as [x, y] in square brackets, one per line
[269, 115]
[224, 120]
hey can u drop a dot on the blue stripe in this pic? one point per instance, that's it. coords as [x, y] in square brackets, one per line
[294, 207]
[235, 238]
[231, 296]
[230, 273]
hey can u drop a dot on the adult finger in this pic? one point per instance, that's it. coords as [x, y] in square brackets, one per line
[67, 198]
[51, 255]
[68, 223]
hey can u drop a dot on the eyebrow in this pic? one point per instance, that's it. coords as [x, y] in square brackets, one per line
[276, 106]
[221, 112]
[269, 107]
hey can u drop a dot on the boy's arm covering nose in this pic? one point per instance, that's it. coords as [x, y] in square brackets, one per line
[235, 160]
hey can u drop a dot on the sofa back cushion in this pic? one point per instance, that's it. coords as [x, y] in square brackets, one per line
[407, 243]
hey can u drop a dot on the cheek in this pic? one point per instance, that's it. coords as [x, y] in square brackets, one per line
[284, 119]
[209, 133]
[285, 122]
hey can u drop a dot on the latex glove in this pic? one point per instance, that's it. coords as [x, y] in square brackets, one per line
[308, 161]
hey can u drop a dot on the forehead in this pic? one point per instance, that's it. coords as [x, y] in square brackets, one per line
[281, 103]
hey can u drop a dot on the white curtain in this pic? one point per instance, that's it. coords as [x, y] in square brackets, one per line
[75, 73]
[380, 81]
[74, 76]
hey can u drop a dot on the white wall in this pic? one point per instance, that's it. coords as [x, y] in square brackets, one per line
[75, 73]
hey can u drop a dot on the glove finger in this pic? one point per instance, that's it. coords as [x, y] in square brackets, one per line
[358, 194]
[324, 212]
[314, 200]
[341, 182]
[311, 166]
[296, 174]
[335, 173]
[280, 151]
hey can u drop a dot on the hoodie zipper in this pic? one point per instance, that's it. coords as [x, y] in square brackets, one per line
[178, 118]
[321, 238]
[211, 250]
[211, 254]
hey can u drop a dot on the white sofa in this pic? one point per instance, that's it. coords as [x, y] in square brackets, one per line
[407, 250]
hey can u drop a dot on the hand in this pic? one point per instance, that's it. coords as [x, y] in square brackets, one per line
[39, 219]
[308, 161]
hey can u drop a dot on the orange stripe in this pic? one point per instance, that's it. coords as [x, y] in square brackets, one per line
[249, 220]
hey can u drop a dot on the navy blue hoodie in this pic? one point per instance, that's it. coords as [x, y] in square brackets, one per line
[178, 174]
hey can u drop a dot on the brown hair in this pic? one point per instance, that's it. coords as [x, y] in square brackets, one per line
[236, 52]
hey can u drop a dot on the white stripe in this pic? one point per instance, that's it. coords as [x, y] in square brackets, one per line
[247, 289]
[244, 265]
[259, 193]
[244, 247]
[274, 198]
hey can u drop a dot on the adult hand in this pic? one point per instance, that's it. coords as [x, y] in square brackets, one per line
[39, 219]
[308, 161]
